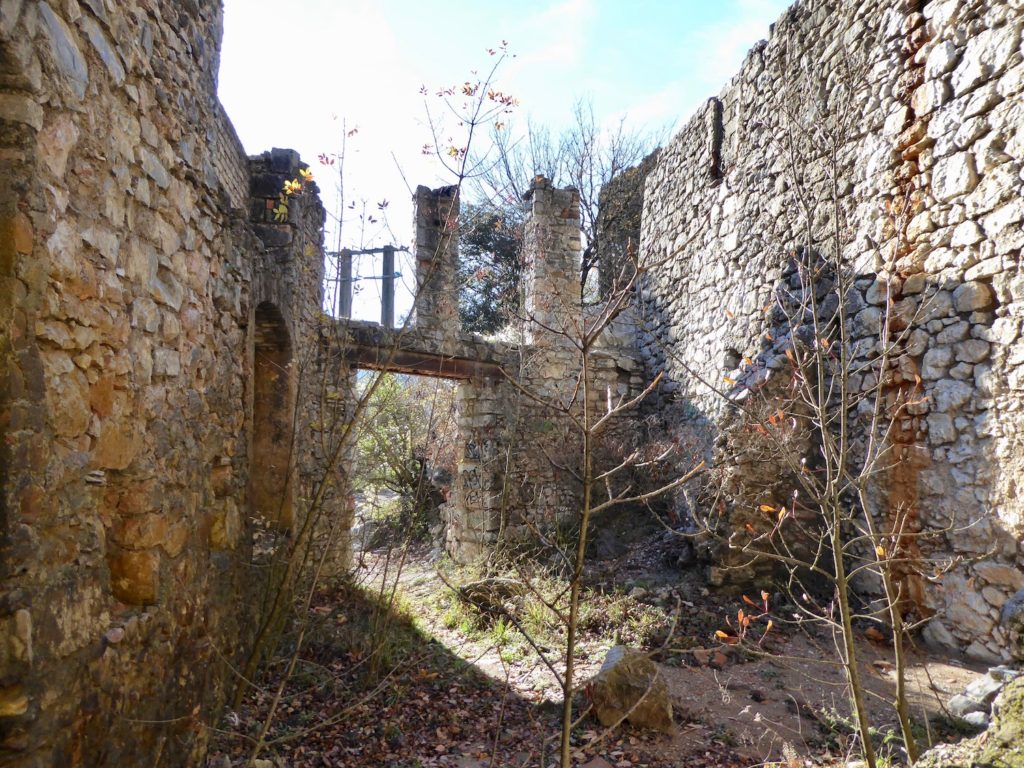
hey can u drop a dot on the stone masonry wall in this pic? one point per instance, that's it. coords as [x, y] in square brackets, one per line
[134, 281]
[935, 142]
[519, 471]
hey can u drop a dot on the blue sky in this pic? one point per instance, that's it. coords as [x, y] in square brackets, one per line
[294, 71]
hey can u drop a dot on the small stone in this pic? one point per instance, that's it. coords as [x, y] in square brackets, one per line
[935, 363]
[966, 233]
[984, 689]
[941, 429]
[976, 719]
[21, 109]
[13, 701]
[961, 705]
[941, 59]
[1001, 575]
[154, 168]
[145, 315]
[114, 635]
[972, 351]
[134, 577]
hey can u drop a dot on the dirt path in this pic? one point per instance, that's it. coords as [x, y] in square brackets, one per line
[731, 708]
[424, 686]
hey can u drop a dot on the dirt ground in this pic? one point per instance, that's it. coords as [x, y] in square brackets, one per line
[451, 695]
[786, 703]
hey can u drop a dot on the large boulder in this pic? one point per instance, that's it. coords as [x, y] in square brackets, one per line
[630, 687]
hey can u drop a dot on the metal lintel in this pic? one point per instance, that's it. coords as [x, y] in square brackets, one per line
[423, 364]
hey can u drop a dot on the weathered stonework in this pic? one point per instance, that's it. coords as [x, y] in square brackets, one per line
[171, 394]
[936, 136]
[145, 292]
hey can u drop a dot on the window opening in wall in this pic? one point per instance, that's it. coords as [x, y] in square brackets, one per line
[405, 460]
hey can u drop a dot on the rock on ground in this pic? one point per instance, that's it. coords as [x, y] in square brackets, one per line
[630, 687]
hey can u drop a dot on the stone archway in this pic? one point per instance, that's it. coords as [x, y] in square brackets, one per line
[271, 489]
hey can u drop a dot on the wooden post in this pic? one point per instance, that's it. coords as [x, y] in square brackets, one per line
[345, 284]
[387, 292]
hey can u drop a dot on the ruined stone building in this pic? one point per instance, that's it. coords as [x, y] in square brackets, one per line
[160, 328]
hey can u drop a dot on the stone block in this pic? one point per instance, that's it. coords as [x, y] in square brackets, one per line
[954, 177]
[135, 577]
[973, 296]
[107, 54]
[65, 50]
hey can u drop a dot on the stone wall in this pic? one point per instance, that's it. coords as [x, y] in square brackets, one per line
[929, 175]
[137, 292]
[519, 473]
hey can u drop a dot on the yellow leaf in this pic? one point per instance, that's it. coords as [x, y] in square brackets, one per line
[766, 508]
[729, 381]
[880, 550]
[748, 601]
[720, 634]
[768, 627]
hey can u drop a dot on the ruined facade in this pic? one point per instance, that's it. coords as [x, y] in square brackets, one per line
[161, 337]
[930, 176]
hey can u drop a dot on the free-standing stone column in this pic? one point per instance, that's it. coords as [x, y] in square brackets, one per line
[551, 248]
[436, 223]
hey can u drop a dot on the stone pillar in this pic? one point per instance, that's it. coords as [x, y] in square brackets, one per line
[551, 248]
[475, 508]
[436, 224]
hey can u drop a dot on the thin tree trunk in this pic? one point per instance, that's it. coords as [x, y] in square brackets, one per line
[577, 575]
[857, 697]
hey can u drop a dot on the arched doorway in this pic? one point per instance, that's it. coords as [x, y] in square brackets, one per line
[271, 486]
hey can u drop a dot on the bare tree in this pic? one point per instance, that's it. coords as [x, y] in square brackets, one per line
[588, 410]
[585, 156]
